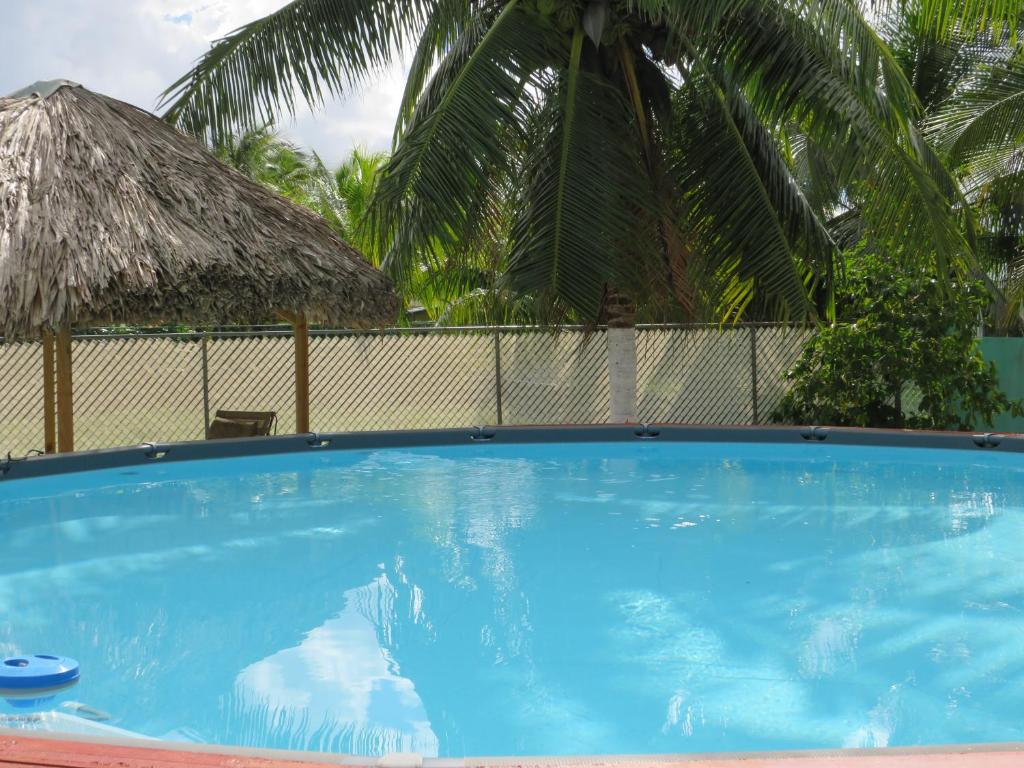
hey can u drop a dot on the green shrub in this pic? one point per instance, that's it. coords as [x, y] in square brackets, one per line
[897, 330]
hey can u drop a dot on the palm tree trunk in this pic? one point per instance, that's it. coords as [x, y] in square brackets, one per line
[621, 358]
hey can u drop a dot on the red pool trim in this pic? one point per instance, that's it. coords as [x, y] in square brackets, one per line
[56, 752]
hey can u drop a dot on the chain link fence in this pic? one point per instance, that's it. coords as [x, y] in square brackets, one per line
[164, 387]
[710, 375]
[21, 398]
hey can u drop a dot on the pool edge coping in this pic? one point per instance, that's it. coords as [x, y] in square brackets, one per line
[147, 453]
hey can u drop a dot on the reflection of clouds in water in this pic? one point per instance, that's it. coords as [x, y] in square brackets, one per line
[709, 687]
[713, 679]
[486, 527]
[880, 723]
[82, 530]
[832, 642]
[970, 509]
[681, 720]
[544, 717]
[339, 690]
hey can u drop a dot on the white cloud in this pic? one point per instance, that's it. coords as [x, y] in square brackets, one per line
[133, 49]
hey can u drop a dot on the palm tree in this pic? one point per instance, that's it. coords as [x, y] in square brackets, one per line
[970, 74]
[980, 134]
[938, 63]
[264, 156]
[342, 197]
[642, 136]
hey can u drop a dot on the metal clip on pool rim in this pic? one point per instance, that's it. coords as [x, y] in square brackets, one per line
[6, 464]
[814, 433]
[987, 440]
[481, 435]
[155, 450]
[646, 432]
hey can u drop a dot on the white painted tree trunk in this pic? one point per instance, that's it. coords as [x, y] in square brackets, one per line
[622, 374]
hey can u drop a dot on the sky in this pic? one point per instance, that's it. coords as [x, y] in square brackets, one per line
[133, 49]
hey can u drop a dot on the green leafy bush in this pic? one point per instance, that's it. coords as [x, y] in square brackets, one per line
[902, 353]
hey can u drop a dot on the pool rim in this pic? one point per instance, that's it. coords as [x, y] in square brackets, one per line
[35, 466]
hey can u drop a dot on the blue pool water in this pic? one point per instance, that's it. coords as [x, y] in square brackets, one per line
[574, 598]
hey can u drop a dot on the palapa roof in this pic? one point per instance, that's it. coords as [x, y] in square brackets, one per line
[107, 213]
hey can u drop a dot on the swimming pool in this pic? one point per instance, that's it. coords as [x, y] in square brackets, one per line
[519, 597]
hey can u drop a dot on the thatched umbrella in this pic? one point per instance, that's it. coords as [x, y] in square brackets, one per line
[109, 214]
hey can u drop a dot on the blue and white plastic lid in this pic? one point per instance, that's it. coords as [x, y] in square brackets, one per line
[37, 672]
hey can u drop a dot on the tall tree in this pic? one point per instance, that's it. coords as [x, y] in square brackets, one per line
[264, 156]
[641, 135]
[972, 70]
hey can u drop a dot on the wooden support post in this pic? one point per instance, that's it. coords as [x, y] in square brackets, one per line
[49, 395]
[300, 324]
[65, 395]
[301, 374]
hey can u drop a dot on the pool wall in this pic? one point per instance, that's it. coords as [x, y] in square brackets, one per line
[39, 466]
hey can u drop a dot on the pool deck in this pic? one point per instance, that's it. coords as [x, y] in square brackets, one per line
[50, 752]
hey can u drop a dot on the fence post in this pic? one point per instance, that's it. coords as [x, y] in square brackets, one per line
[753, 370]
[497, 373]
[206, 388]
[65, 392]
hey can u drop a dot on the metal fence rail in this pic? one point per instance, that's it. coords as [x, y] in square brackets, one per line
[164, 387]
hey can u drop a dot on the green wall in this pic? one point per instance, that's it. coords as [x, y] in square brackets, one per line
[1008, 355]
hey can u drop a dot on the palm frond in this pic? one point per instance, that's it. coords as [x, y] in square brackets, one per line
[458, 136]
[443, 28]
[743, 203]
[792, 74]
[983, 118]
[937, 65]
[684, 15]
[819, 174]
[582, 189]
[950, 18]
[304, 50]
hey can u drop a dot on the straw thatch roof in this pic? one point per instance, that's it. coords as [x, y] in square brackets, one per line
[109, 214]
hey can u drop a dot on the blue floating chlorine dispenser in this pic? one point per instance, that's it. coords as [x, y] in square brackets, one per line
[27, 681]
